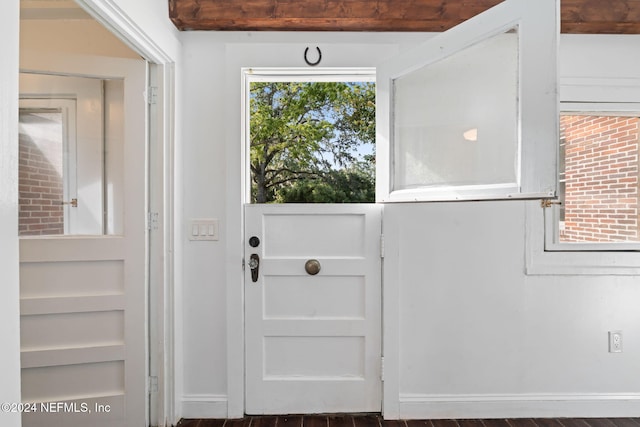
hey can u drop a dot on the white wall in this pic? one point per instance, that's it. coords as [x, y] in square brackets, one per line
[9, 309]
[212, 176]
[478, 337]
[203, 193]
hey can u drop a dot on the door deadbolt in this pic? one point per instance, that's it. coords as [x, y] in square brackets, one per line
[254, 242]
[254, 265]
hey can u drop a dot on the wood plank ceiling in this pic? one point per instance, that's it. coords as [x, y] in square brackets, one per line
[578, 16]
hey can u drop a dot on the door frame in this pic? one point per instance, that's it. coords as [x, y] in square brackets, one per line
[160, 251]
[237, 370]
[278, 53]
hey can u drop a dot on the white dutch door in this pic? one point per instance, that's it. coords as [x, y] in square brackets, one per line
[82, 246]
[470, 114]
[313, 322]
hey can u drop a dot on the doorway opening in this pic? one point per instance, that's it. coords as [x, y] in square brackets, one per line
[312, 286]
[93, 285]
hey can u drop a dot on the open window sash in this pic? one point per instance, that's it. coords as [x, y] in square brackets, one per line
[472, 113]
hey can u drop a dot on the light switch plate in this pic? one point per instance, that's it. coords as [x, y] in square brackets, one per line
[203, 229]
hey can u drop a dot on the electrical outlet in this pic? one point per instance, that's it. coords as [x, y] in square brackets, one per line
[615, 341]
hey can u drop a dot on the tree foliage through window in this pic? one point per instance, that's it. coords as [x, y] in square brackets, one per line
[312, 142]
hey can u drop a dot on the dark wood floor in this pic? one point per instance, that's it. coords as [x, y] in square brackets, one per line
[377, 421]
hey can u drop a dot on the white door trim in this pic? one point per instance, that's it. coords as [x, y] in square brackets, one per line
[236, 196]
[114, 19]
[118, 22]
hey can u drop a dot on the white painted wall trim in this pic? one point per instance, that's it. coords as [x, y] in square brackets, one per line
[391, 280]
[434, 406]
[204, 406]
[542, 262]
[172, 358]
[550, 258]
[116, 20]
[9, 263]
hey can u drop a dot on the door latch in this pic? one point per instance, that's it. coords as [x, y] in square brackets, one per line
[254, 265]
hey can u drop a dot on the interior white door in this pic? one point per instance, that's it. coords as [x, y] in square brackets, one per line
[313, 342]
[83, 298]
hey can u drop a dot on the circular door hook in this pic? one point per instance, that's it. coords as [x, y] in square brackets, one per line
[313, 64]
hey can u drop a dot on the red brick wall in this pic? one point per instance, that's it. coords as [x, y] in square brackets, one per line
[40, 187]
[601, 172]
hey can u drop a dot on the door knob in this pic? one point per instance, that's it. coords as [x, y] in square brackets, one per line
[254, 265]
[312, 267]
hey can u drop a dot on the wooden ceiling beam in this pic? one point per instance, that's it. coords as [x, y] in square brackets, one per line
[578, 16]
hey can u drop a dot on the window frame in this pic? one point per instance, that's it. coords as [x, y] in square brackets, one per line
[542, 262]
[538, 30]
[552, 213]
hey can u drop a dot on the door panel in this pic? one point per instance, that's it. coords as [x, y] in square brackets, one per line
[321, 297]
[503, 60]
[313, 341]
[73, 327]
[472, 113]
[290, 236]
[83, 306]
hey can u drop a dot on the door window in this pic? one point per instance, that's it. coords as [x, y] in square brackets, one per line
[311, 138]
[454, 118]
[471, 114]
[71, 138]
[46, 144]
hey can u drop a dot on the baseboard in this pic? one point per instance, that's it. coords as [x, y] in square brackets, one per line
[425, 406]
[428, 406]
[204, 406]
